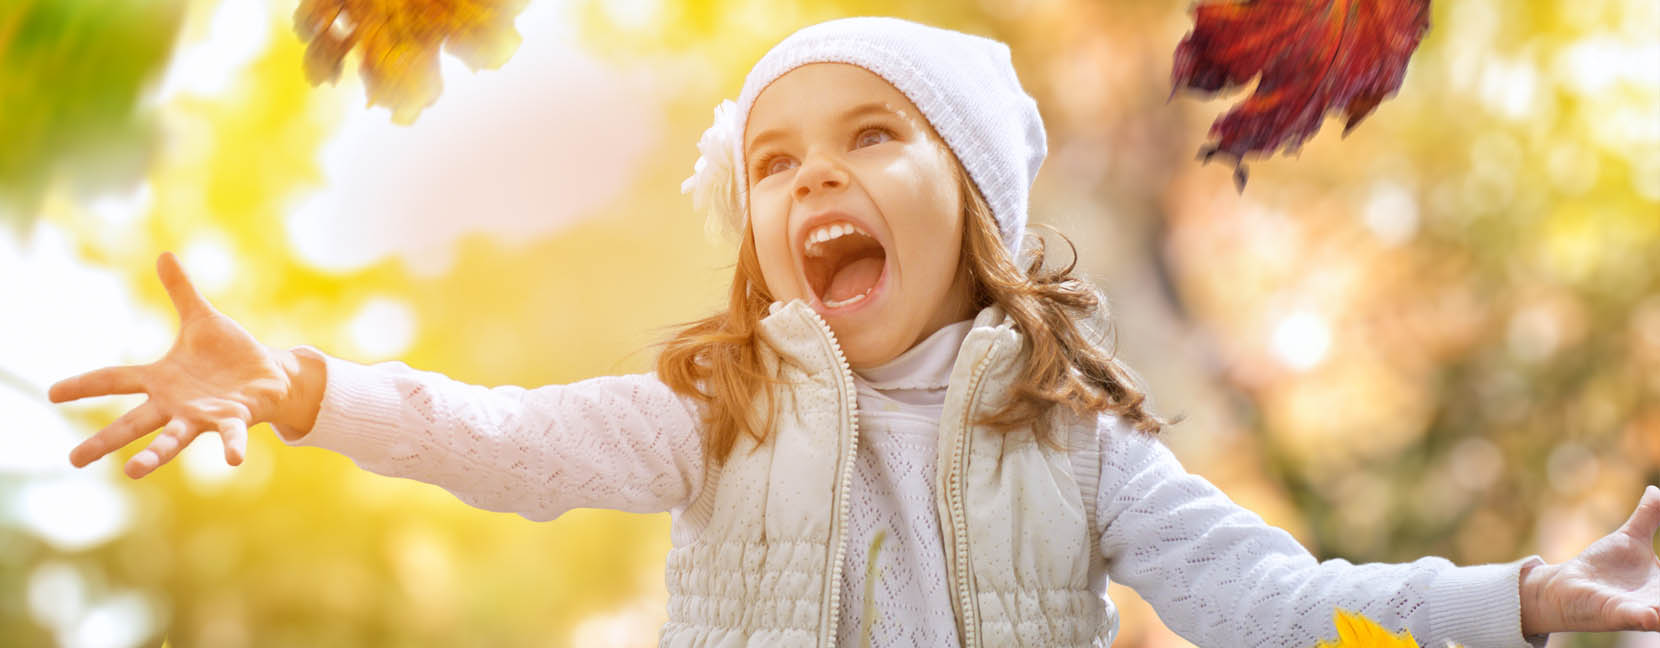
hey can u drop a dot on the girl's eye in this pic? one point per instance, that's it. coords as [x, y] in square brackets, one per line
[865, 138]
[774, 164]
[868, 136]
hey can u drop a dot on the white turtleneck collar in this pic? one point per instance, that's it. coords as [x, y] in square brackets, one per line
[920, 374]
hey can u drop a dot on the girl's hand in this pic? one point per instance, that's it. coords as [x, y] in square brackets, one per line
[1613, 585]
[216, 378]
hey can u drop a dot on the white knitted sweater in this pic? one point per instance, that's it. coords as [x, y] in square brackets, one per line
[1215, 572]
[900, 404]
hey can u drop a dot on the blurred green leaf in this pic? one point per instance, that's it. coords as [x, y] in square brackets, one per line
[72, 78]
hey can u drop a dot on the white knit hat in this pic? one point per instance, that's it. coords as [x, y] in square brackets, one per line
[965, 86]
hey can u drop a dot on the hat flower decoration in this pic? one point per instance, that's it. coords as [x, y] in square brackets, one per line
[713, 183]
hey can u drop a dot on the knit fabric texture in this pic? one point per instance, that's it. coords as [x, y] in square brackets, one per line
[965, 86]
[900, 404]
[1216, 573]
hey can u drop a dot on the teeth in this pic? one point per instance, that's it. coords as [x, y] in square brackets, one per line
[850, 300]
[815, 248]
[827, 232]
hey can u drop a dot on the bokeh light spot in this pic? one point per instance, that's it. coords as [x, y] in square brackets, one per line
[1391, 213]
[75, 512]
[1301, 340]
[57, 594]
[383, 328]
[209, 262]
[1571, 468]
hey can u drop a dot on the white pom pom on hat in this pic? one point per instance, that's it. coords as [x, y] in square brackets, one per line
[965, 85]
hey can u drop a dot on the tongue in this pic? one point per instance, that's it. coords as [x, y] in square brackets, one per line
[854, 278]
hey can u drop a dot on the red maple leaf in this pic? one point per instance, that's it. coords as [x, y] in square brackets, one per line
[1315, 56]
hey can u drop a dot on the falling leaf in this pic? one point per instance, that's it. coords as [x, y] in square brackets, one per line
[871, 574]
[398, 41]
[1314, 57]
[1354, 630]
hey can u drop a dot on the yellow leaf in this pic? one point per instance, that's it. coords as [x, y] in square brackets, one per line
[398, 42]
[870, 587]
[1354, 630]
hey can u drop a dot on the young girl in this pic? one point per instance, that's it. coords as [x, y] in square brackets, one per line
[888, 384]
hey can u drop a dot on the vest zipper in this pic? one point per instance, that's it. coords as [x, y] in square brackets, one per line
[831, 611]
[966, 598]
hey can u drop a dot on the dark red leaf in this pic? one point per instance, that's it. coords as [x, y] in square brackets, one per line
[1314, 57]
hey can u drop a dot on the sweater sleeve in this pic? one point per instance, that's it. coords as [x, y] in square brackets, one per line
[1218, 575]
[620, 442]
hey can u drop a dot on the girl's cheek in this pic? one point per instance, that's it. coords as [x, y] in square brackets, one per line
[909, 164]
[767, 198]
[771, 229]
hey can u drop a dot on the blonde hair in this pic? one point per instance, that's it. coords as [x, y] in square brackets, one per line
[717, 360]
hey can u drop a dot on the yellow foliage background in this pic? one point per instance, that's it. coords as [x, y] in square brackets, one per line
[1439, 335]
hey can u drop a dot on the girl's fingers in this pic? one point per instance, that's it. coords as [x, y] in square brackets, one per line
[167, 444]
[234, 433]
[98, 382]
[1645, 521]
[186, 300]
[136, 423]
[1636, 616]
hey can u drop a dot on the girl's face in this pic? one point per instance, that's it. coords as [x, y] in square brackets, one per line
[832, 148]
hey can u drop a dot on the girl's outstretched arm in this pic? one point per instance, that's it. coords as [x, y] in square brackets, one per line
[1218, 575]
[619, 442]
[622, 442]
[1614, 584]
[215, 378]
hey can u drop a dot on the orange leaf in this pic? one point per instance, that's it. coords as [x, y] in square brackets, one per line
[398, 41]
[1314, 56]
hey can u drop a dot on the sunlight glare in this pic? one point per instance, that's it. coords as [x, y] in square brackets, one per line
[74, 512]
[383, 328]
[239, 32]
[1301, 340]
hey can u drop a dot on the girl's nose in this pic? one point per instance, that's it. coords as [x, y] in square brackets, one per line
[818, 174]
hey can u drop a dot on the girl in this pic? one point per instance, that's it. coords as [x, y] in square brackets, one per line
[894, 432]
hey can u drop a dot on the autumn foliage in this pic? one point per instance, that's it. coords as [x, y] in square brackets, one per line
[398, 41]
[1314, 57]
[1355, 630]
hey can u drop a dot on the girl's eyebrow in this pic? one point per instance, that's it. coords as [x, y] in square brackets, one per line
[852, 113]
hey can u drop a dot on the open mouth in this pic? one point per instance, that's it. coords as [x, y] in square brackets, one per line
[843, 265]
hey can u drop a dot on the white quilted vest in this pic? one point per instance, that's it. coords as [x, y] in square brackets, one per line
[757, 555]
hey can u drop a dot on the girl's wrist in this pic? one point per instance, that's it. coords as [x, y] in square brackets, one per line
[1534, 577]
[306, 373]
